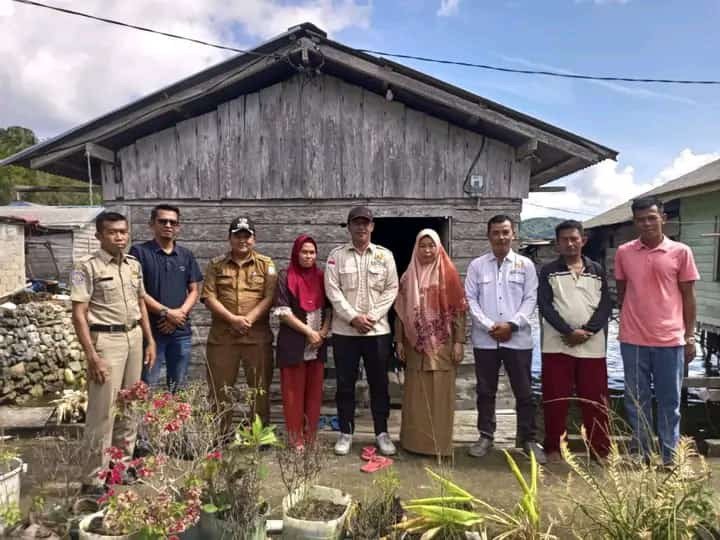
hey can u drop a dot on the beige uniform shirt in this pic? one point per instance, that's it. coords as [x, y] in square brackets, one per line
[112, 288]
[239, 288]
[361, 284]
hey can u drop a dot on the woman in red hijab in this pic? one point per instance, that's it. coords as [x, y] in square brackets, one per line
[429, 337]
[304, 315]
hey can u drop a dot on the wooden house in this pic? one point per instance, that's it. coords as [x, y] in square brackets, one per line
[300, 129]
[692, 203]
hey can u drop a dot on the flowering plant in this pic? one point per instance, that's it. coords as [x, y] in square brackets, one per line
[164, 498]
[161, 503]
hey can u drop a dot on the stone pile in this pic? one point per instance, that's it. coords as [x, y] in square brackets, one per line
[39, 352]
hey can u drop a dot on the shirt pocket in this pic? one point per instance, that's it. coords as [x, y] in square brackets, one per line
[348, 278]
[516, 279]
[256, 284]
[108, 289]
[376, 278]
[225, 287]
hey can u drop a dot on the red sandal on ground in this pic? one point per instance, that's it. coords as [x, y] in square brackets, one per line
[375, 463]
[368, 453]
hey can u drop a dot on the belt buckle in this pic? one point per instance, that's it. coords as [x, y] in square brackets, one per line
[127, 327]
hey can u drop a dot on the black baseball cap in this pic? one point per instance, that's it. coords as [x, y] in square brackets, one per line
[242, 224]
[360, 212]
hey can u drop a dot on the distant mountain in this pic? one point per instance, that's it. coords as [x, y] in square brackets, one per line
[541, 228]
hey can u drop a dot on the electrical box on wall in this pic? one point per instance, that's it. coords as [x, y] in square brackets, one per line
[477, 182]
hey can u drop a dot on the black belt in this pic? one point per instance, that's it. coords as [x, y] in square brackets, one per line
[113, 327]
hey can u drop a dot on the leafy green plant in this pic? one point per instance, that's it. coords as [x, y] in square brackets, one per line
[10, 515]
[457, 511]
[634, 500]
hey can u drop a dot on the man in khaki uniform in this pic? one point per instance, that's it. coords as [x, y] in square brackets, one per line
[110, 319]
[238, 290]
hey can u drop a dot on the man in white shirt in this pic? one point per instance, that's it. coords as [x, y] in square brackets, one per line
[361, 282]
[501, 289]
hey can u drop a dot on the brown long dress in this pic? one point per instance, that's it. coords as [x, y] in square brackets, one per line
[428, 406]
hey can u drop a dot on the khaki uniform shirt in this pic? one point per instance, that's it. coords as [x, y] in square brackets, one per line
[239, 288]
[112, 290]
[361, 284]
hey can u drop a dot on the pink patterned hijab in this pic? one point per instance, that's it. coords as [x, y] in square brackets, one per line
[429, 298]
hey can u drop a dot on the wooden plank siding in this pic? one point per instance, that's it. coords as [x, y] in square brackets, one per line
[313, 139]
[701, 215]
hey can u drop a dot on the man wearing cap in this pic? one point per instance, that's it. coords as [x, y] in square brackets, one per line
[110, 319]
[361, 282]
[238, 290]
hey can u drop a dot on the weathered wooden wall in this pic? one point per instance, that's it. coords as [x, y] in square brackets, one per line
[313, 139]
[700, 215]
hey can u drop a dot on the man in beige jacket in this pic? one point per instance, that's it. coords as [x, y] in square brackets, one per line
[361, 282]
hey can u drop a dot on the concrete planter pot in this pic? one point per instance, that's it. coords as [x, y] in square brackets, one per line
[10, 484]
[302, 529]
[84, 534]
[210, 527]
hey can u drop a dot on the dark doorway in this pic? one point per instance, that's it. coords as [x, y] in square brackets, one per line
[398, 235]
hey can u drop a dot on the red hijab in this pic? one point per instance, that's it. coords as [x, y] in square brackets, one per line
[306, 284]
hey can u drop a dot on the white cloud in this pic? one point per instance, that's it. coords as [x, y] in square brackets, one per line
[448, 8]
[59, 70]
[606, 185]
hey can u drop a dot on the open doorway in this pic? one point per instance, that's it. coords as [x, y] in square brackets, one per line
[398, 235]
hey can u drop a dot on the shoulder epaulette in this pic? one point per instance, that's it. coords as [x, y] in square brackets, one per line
[218, 259]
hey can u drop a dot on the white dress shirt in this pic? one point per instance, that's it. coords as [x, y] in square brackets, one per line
[497, 294]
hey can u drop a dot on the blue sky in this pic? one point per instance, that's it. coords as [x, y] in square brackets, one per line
[60, 70]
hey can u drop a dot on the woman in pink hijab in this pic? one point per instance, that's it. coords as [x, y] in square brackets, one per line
[429, 338]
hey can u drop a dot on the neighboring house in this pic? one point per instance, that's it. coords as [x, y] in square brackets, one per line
[12, 247]
[299, 130]
[692, 203]
[60, 235]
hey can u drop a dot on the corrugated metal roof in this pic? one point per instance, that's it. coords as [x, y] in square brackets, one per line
[52, 217]
[707, 174]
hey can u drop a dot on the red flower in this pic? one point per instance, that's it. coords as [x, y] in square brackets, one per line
[104, 498]
[115, 453]
[216, 455]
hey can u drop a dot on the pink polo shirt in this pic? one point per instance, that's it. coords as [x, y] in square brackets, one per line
[652, 311]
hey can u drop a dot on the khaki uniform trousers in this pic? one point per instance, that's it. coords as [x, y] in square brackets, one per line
[223, 366]
[122, 354]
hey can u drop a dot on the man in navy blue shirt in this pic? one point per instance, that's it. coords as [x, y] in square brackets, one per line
[171, 276]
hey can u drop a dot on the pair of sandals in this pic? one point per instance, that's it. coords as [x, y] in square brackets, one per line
[375, 462]
[332, 421]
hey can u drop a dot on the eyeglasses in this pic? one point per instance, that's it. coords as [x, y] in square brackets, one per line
[172, 222]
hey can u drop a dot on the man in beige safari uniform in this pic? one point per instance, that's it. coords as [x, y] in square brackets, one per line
[110, 319]
[238, 290]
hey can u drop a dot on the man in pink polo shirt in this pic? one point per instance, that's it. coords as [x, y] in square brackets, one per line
[656, 289]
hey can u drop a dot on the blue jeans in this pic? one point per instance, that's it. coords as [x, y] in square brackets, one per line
[174, 353]
[664, 366]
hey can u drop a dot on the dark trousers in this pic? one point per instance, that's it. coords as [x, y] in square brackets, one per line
[517, 366]
[561, 374]
[375, 353]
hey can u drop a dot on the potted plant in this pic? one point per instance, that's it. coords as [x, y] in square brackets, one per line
[11, 466]
[232, 504]
[309, 510]
[164, 498]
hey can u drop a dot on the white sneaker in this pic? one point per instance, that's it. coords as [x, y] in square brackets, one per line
[343, 444]
[385, 444]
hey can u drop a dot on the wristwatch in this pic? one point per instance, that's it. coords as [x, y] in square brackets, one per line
[163, 312]
[690, 340]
